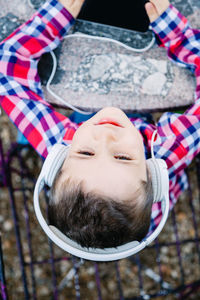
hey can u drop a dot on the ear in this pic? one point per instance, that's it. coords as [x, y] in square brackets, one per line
[53, 162]
[159, 177]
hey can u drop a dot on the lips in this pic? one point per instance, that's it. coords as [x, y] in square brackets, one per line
[109, 121]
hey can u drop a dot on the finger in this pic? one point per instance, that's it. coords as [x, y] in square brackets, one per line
[73, 6]
[151, 11]
[160, 5]
[76, 7]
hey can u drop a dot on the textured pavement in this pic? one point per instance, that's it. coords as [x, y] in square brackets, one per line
[92, 74]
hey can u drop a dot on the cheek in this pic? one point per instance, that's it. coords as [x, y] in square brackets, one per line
[135, 141]
[134, 136]
[81, 134]
[77, 136]
[138, 136]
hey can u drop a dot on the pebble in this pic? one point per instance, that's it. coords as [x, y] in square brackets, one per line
[123, 65]
[166, 259]
[174, 274]
[192, 233]
[91, 271]
[161, 65]
[188, 248]
[27, 258]
[38, 271]
[164, 250]
[7, 225]
[99, 66]
[153, 84]
[181, 216]
[111, 286]
[7, 245]
[20, 289]
[91, 285]
[44, 291]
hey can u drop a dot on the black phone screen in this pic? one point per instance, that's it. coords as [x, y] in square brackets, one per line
[129, 14]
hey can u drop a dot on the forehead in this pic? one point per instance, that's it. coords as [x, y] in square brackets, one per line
[113, 178]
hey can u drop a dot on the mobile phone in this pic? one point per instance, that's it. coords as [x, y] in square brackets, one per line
[129, 14]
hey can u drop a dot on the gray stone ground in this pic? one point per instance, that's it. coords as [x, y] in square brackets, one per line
[92, 74]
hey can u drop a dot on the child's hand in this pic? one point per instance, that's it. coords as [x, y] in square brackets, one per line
[155, 8]
[73, 6]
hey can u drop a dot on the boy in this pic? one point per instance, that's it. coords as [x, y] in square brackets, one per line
[102, 195]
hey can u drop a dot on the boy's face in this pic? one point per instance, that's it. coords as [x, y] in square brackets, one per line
[107, 155]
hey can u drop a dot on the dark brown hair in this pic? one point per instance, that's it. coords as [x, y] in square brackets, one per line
[93, 220]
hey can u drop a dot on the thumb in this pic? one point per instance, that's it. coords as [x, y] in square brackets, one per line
[151, 11]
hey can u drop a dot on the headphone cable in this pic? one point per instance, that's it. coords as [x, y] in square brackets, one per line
[82, 35]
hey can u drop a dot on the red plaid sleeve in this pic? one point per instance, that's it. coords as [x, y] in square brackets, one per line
[180, 133]
[178, 139]
[20, 89]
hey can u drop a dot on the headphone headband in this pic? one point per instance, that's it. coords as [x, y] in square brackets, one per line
[160, 182]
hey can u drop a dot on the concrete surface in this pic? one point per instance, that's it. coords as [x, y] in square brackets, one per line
[92, 73]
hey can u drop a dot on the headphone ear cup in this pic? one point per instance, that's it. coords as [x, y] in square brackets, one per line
[53, 162]
[159, 177]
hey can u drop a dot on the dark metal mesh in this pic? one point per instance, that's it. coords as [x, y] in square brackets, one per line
[34, 268]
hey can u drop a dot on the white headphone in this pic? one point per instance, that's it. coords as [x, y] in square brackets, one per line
[160, 183]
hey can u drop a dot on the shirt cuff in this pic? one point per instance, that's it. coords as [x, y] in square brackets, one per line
[169, 24]
[54, 13]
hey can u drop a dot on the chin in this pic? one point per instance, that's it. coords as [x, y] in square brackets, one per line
[112, 109]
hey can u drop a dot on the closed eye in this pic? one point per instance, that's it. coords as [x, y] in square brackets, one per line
[87, 153]
[122, 157]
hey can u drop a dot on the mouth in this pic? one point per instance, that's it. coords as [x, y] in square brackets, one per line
[109, 121]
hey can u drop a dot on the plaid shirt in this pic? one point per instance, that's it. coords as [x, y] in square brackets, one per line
[21, 96]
